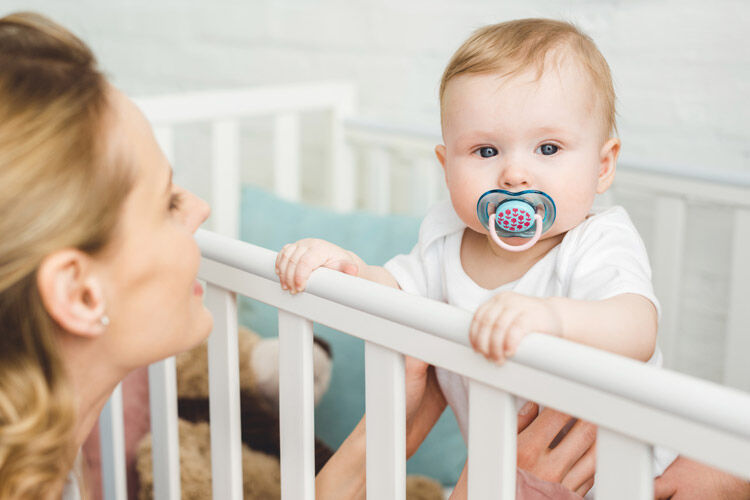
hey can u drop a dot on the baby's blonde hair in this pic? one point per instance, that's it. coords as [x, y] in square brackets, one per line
[60, 188]
[513, 46]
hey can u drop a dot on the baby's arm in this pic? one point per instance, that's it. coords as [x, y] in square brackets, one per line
[625, 324]
[296, 261]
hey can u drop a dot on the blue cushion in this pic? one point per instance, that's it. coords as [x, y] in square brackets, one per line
[271, 222]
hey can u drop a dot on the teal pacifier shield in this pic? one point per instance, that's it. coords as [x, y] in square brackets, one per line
[515, 212]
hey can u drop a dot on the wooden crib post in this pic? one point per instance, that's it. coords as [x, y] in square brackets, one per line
[492, 443]
[112, 443]
[296, 407]
[162, 394]
[386, 423]
[224, 395]
[624, 467]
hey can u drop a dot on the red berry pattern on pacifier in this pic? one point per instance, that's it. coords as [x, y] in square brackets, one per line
[515, 216]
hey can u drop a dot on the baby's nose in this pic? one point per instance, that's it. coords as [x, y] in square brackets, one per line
[514, 177]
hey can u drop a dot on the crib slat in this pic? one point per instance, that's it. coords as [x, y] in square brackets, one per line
[386, 423]
[343, 170]
[225, 180]
[425, 178]
[162, 387]
[624, 467]
[492, 443]
[296, 407]
[379, 180]
[668, 238]
[224, 395]
[736, 367]
[112, 442]
[287, 180]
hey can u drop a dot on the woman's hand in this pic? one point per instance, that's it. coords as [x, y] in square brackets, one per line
[572, 459]
[686, 479]
[424, 402]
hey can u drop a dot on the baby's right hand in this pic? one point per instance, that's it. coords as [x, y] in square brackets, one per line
[296, 261]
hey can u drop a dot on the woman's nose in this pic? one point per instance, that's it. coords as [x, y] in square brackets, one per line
[198, 212]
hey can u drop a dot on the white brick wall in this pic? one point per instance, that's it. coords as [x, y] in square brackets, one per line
[682, 67]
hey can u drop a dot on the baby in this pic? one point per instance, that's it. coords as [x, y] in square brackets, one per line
[528, 122]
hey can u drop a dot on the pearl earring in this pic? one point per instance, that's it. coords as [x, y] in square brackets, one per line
[104, 320]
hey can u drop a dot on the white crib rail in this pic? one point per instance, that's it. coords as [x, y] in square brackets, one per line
[635, 405]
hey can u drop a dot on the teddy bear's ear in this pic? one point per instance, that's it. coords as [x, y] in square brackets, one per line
[265, 366]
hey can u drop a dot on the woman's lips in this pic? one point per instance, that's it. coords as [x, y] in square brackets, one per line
[197, 288]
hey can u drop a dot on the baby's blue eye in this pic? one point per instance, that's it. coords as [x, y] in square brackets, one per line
[547, 149]
[487, 152]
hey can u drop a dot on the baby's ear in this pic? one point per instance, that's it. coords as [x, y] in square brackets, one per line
[440, 153]
[607, 164]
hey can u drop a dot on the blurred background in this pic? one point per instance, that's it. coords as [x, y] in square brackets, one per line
[681, 67]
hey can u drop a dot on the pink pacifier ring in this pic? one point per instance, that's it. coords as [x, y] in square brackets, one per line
[516, 248]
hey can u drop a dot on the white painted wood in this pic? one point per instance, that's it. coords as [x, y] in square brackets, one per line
[165, 138]
[112, 443]
[426, 180]
[624, 467]
[667, 264]
[296, 407]
[379, 180]
[492, 443]
[287, 178]
[737, 367]
[386, 423]
[224, 395]
[210, 105]
[225, 178]
[682, 413]
[162, 386]
[343, 169]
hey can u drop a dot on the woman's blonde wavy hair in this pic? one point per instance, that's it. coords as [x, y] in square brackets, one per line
[60, 188]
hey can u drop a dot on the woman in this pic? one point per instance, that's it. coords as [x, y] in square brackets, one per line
[97, 257]
[98, 267]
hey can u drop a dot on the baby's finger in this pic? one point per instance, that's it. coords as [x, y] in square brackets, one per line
[291, 268]
[306, 264]
[516, 333]
[500, 334]
[344, 266]
[476, 323]
[282, 261]
[486, 325]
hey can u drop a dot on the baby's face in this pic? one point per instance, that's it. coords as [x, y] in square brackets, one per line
[515, 133]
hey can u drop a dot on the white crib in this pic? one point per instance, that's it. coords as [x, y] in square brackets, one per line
[634, 405]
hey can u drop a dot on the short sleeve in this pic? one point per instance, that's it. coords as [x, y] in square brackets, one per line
[608, 258]
[408, 270]
[420, 272]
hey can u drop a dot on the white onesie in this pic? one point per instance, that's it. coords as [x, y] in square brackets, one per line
[600, 258]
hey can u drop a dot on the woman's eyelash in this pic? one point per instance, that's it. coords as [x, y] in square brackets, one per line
[174, 201]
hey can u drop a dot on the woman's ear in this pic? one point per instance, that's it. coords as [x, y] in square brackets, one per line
[71, 293]
[440, 153]
[607, 164]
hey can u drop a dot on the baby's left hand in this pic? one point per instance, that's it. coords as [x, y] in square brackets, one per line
[500, 323]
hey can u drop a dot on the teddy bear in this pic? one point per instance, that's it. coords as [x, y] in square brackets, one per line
[259, 386]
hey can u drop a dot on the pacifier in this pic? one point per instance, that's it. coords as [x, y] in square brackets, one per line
[525, 214]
